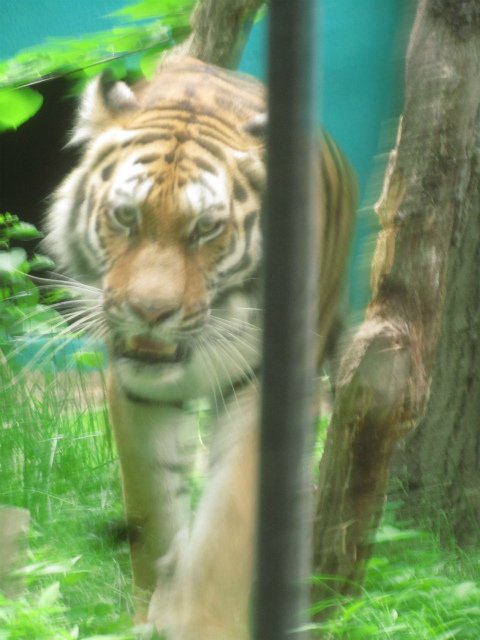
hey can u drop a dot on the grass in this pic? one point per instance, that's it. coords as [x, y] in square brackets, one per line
[415, 590]
[57, 460]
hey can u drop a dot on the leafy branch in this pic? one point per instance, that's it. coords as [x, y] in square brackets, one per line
[153, 26]
[23, 308]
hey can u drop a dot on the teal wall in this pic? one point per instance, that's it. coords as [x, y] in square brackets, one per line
[360, 75]
[362, 43]
[24, 23]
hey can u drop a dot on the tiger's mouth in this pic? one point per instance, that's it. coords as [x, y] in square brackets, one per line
[151, 351]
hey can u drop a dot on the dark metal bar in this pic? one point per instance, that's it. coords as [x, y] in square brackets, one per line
[291, 277]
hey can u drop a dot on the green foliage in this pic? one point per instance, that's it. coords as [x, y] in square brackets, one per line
[262, 12]
[89, 359]
[146, 28]
[17, 106]
[43, 614]
[156, 9]
[415, 590]
[40, 619]
[86, 56]
[32, 332]
[21, 305]
[151, 27]
[57, 459]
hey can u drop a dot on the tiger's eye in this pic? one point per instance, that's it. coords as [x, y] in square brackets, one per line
[124, 217]
[205, 226]
[207, 229]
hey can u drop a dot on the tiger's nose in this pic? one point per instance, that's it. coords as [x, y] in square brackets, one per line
[153, 314]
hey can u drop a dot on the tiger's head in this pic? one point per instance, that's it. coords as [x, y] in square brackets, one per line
[162, 218]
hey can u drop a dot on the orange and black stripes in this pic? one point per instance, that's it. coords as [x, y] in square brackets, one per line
[189, 147]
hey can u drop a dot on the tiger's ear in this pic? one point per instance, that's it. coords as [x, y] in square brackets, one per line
[103, 101]
[252, 162]
[257, 126]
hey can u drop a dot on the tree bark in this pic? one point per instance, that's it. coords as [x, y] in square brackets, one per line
[219, 32]
[383, 381]
[441, 460]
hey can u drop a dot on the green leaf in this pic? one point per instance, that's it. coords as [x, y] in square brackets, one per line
[465, 589]
[40, 263]
[40, 320]
[103, 609]
[149, 63]
[388, 533]
[57, 295]
[21, 292]
[74, 577]
[261, 13]
[49, 595]
[146, 9]
[89, 358]
[350, 610]
[11, 261]
[23, 231]
[17, 106]
[48, 569]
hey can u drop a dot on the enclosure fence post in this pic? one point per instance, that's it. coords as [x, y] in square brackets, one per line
[291, 282]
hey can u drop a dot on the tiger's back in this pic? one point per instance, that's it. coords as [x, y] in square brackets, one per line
[162, 222]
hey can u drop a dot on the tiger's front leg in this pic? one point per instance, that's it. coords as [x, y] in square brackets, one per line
[208, 595]
[156, 445]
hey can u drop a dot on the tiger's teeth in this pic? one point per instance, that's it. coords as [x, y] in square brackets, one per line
[166, 352]
[146, 345]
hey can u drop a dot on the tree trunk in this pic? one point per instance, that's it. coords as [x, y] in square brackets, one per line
[384, 377]
[442, 457]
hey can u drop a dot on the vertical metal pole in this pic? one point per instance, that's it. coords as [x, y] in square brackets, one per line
[291, 276]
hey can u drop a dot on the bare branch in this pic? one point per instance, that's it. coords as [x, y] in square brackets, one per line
[219, 32]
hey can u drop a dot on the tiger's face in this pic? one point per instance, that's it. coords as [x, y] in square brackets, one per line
[163, 217]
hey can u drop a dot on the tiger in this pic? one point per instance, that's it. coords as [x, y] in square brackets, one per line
[160, 224]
